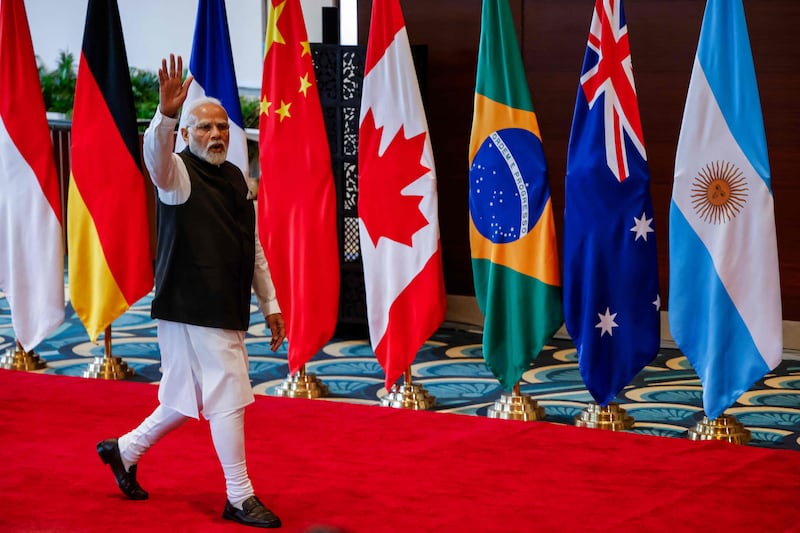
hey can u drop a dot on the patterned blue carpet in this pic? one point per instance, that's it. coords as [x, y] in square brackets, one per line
[664, 399]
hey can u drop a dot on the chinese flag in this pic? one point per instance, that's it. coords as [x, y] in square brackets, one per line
[296, 197]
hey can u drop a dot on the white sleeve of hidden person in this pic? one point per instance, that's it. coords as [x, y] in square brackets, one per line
[262, 282]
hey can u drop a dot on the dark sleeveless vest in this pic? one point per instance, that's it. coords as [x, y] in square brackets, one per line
[206, 250]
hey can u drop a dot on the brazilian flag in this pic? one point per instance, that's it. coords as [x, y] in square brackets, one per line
[512, 234]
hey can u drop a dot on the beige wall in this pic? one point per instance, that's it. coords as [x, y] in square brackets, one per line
[153, 28]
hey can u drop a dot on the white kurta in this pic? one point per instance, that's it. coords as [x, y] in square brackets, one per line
[205, 370]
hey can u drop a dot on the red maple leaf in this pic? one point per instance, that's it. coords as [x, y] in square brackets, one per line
[383, 209]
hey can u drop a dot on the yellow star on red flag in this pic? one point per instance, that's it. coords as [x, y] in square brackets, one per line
[273, 34]
[283, 111]
[304, 84]
[265, 105]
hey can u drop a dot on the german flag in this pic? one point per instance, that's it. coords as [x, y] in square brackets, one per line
[110, 266]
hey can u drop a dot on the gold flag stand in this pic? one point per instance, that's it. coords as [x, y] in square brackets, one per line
[301, 385]
[611, 417]
[18, 359]
[724, 427]
[408, 395]
[516, 406]
[107, 366]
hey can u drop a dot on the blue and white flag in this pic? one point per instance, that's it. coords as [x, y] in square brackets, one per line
[725, 300]
[211, 65]
[611, 298]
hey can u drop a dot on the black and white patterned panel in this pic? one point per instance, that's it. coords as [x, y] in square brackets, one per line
[340, 74]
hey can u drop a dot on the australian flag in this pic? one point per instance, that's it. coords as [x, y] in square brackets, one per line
[611, 296]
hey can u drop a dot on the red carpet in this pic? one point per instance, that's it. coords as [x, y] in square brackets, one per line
[327, 466]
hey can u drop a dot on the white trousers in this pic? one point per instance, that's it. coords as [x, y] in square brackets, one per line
[227, 433]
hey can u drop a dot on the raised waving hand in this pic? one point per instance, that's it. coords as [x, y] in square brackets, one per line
[172, 90]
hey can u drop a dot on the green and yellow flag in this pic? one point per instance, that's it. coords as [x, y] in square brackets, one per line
[512, 234]
[110, 265]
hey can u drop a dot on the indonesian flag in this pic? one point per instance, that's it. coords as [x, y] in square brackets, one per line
[31, 249]
[297, 207]
[397, 203]
[108, 239]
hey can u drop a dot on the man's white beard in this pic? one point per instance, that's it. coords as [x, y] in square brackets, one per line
[215, 158]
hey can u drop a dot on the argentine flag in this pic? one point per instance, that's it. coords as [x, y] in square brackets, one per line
[211, 65]
[725, 301]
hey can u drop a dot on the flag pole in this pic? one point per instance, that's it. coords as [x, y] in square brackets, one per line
[724, 427]
[516, 406]
[301, 385]
[611, 417]
[408, 395]
[18, 359]
[107, 366]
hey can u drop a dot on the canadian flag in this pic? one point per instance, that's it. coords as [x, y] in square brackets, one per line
[397, 200]
[31, 247]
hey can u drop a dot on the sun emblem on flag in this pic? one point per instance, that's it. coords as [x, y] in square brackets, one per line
[719, 192]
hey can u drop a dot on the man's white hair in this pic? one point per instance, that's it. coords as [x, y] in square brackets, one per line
[191, 107]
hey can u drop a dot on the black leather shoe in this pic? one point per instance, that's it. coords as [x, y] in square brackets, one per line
[253, 513]
[108, 450]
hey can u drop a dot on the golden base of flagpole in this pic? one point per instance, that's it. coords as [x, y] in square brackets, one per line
[18, 359]
[301, 385]
[108, 366]
[516, 406]
[724, 427]
[112, 367]
[408, 396]
[611, 417]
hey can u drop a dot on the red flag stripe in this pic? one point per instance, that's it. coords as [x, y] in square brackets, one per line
[382, 30]
[411, 324]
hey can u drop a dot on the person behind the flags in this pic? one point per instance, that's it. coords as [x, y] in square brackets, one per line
[108, 236]
[211, 65]
[725, 300]
[397, 199]
[611, 294]
[31, 248]
[297, 198]
[512, 234]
